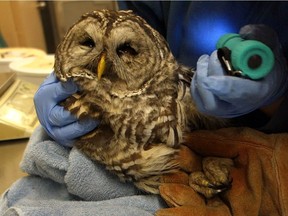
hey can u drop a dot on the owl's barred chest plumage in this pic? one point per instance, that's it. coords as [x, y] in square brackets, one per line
[129, 80]
[156, 113]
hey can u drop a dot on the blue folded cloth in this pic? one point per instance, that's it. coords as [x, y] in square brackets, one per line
[66, 182]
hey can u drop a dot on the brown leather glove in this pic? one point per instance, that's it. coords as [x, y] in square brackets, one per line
[259, 175]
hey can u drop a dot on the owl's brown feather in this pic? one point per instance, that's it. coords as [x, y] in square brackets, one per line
[142, 100]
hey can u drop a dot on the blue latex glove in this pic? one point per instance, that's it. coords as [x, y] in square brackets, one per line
[224, 96]
[59, 123]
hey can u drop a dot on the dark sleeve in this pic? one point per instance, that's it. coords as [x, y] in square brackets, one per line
[153, 12]
[279, 121]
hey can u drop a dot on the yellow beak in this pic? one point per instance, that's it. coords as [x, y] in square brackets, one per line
[101, 66]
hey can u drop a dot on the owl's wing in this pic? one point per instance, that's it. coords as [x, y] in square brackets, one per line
[185, 74]
[78, 105]
[195, 119]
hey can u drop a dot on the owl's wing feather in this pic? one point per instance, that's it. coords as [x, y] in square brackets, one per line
[186, 74]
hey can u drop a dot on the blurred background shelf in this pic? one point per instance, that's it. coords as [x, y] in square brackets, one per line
[42, 24]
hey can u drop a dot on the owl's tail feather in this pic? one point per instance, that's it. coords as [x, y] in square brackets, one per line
[149, 185]
[157, 161]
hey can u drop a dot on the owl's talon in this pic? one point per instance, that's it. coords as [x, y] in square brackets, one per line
[222, 187]
[211, 190]
[207, 192]
[215, 177]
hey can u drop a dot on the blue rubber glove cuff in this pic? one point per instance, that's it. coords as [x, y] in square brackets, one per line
[59, 123]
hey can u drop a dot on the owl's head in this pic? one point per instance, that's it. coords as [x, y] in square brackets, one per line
[115, 47]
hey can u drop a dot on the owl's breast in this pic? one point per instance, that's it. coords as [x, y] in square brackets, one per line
[145, 120]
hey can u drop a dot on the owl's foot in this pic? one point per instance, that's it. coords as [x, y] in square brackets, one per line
[215, 177]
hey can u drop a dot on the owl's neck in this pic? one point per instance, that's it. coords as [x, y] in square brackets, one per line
[130, 93]
[149, 84]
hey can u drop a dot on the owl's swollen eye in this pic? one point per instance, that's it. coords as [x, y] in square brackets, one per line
[126, 48]
[88, 42]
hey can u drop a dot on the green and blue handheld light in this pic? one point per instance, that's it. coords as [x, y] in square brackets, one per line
[246, 58]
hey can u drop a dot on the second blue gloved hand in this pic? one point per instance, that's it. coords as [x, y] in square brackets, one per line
[224, 96]
[59, 123]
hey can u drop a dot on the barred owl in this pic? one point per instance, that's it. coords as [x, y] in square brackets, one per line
[130, 81]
